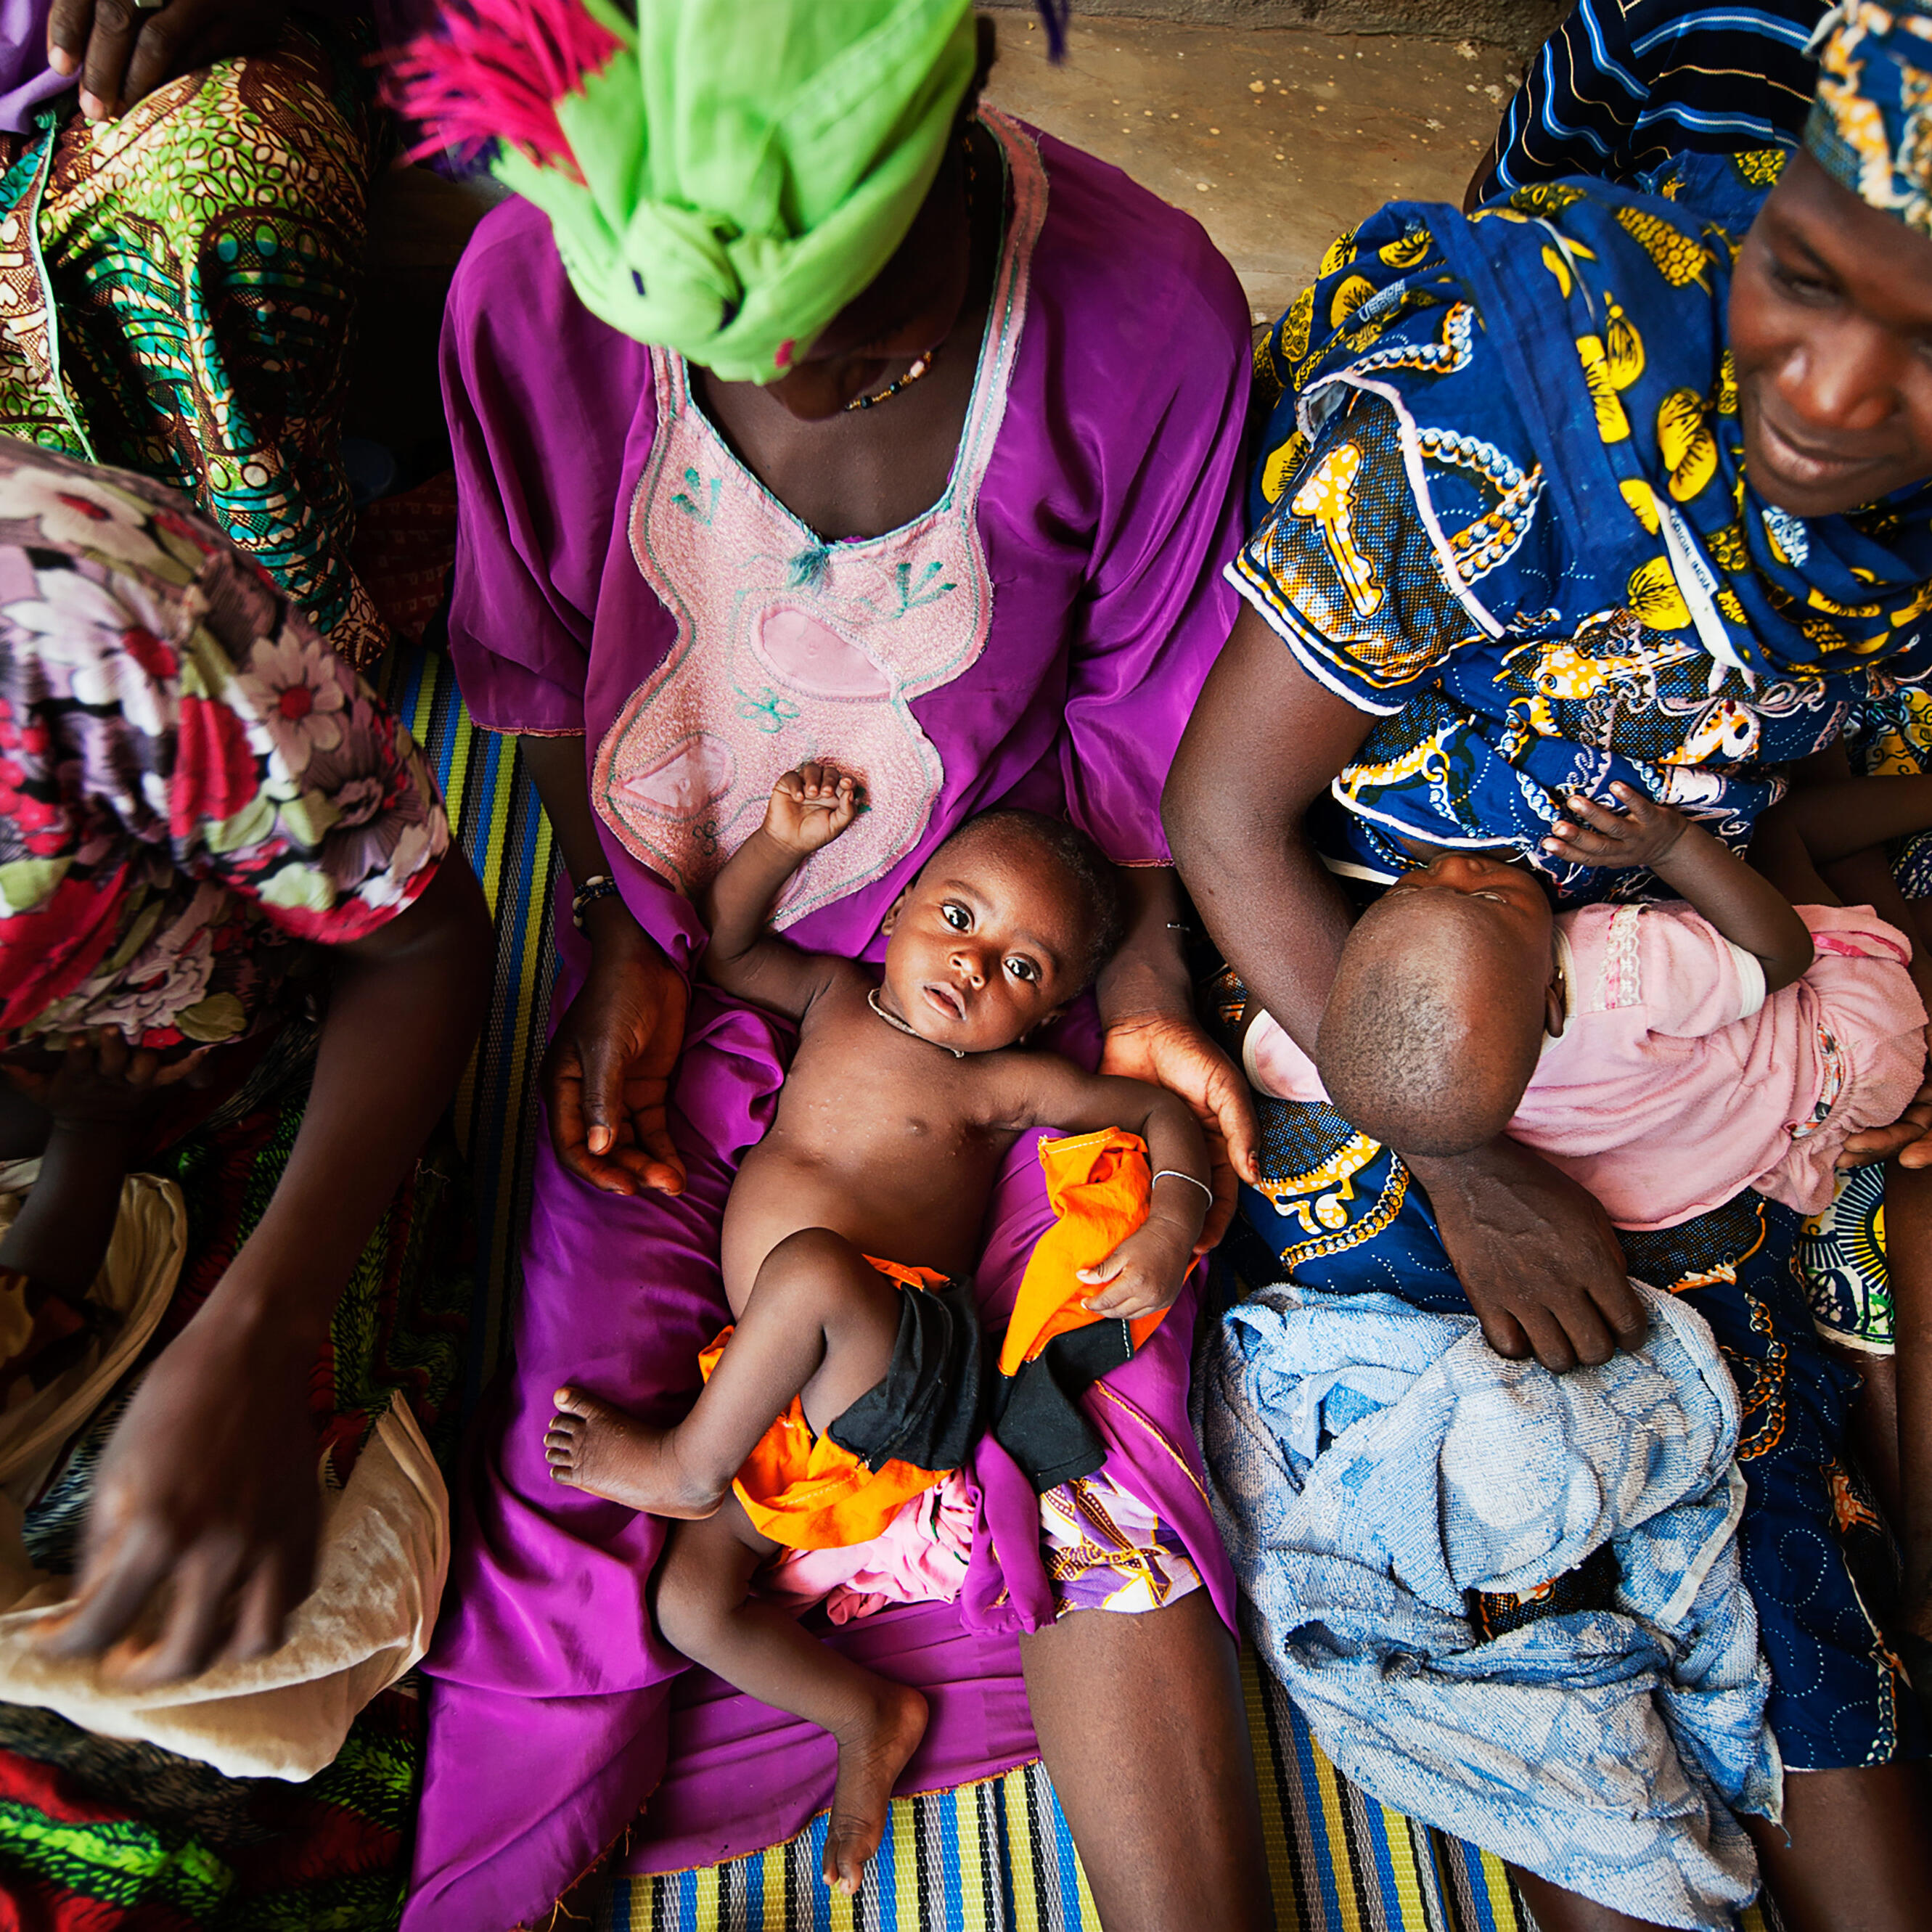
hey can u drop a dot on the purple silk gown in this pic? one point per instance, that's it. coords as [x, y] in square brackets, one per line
[1099, 475]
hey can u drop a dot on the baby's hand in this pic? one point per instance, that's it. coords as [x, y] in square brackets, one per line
[1143, 1275]
[811, 806]
[1642, 834]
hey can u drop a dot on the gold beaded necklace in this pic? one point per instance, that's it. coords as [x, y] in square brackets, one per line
[922, 364]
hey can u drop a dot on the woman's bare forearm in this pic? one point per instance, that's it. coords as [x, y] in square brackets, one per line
[404, 1008]
[555, 767]
[1264, 742]
[1837, 819]
[1149, 974]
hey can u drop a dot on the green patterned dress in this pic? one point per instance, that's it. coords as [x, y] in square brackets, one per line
[177, 294]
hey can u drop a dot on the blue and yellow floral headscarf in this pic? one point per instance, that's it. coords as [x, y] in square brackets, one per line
[1870, 127]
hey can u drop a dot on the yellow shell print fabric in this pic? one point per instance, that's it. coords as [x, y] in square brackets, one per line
[1501, 502]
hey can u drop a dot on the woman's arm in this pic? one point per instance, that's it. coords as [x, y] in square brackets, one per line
[1147, 1007]
[1264, 742]
[1536, 1254]
[208, 1488]
[1837, 819]
[606, 1076]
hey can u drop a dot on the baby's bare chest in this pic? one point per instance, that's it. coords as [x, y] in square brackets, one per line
[858, 1095]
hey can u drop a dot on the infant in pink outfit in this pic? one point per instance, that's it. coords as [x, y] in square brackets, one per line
[1666, 1056]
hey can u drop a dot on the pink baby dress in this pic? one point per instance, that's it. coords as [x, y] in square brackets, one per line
[1675, 1083]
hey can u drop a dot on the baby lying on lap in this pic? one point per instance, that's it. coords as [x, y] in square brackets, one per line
[1667, 1057]
[902, 1100]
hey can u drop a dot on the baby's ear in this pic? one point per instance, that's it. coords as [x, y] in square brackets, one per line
[893, 911]
[1554, 1003]
[1045, 1020]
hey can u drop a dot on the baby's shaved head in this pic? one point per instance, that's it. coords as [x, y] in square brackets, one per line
[1432, 1028]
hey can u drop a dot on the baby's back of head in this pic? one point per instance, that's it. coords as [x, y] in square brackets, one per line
[1431, 1029]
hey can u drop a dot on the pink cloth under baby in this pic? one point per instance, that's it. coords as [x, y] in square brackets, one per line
[1675, 1083]
[919, 1558]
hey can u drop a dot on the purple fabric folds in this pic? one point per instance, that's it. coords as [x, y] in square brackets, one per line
[25, 79]
[1109, 506]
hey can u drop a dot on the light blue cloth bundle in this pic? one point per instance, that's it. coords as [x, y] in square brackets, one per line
[1372, 1462]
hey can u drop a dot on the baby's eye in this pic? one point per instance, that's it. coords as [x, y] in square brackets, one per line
[956, 916]
[1023, 969]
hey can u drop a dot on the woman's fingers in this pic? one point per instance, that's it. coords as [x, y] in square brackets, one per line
[170, 42]
[69, 26]
[1230, 1118]
[262, 1611]
[117, 1577]
[663, 1166]
[569, 1129]
[103, 72]
[199, 1614]
[602, 1061]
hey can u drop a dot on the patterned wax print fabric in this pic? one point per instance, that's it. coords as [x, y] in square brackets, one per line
[177, 296]
[1338, 1212]
[1502, 507]
[1623, 86]
[191, 782]
[1037, 636]
[1870, 127]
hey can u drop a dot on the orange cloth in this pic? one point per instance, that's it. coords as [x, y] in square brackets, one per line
[1099, 1184]
[804, 1491]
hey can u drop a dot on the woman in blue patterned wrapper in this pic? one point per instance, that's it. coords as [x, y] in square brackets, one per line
[1597, 485]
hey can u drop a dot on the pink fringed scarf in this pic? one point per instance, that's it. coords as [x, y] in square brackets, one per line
[495, 70]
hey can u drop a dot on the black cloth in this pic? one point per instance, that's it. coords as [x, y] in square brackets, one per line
[1037, 1415]
[936, 1400]
[930, 1407]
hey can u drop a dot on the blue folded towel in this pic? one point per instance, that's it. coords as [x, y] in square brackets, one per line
[1374, 1464]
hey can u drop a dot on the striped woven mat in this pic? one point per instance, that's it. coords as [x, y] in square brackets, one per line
[991, 1857]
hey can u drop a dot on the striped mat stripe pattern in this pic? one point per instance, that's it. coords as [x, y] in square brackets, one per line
[502, 829]
[997, 1857]
[991, 1857]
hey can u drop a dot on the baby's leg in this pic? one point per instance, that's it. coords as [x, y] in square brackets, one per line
[820, 1321]
[705, 1609]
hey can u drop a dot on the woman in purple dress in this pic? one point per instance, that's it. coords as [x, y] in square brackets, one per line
[944, 492]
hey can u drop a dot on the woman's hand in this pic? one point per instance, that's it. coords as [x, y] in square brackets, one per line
[201, 1536]
[1170, 1050]
[122, 54]
[1536, 1254]
[606, 1078]
[1909, 1137]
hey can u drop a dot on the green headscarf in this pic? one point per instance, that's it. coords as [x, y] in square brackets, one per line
[747, 169]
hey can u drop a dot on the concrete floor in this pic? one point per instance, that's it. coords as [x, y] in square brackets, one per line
[1277, 139]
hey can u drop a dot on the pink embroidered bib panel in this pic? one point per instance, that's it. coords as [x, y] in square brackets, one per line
[789, 648]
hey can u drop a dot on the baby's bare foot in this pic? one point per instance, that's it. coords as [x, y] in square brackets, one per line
[592, 1446]
[871, 1754]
